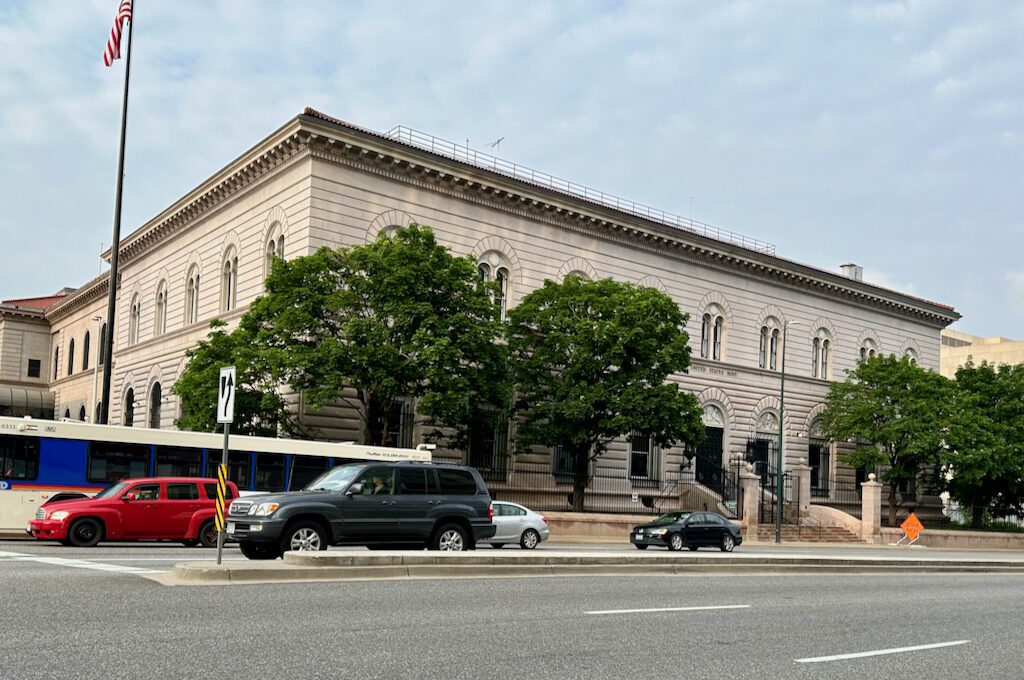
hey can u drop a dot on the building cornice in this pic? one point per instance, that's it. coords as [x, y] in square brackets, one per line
[23, 313]
[87, 294]
[319, 136]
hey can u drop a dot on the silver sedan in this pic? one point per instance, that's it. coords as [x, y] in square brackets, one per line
[517, 524]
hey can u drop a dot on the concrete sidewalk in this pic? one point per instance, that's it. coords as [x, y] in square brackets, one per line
[341, 566]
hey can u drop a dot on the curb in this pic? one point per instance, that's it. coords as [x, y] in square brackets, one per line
[305, 567]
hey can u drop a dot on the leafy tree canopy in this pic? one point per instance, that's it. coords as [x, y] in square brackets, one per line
[896, 411]
[369, 325]
[984, 454]
[259, 410]
[591, 362]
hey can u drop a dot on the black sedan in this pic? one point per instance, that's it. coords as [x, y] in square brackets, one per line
[676, 530]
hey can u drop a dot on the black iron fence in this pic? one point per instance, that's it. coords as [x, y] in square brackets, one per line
[768, 503]
[842, 495]
[542, 487]
[977, 519]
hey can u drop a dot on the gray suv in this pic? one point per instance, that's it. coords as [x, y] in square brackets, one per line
[380, 505]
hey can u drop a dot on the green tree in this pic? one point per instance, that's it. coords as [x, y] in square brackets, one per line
[591, 361]
[376, 323]
[897, 412]
[983, 459]
[259, 409]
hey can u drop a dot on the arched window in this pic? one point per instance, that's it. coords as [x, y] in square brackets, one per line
[762, 352]
[99, 408]
[192, 296]
[85, 352]
[71, 356]
[773, 362]
[81, 413]
[229, 281]
[129, 408]
[763, 449]
[821, 347]
[818, 458]
[160, 319]
[155, 398]
[56, 361]
[719, 334]
[705, 337]
[500, 275]
[868, 350]
[67, 414]
[103, 344]
[133, 322]
[911, 355]
[274, 250]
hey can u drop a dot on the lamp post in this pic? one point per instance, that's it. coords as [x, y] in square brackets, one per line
[782, 410]
[96, 367]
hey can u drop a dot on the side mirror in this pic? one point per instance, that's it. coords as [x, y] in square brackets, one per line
[129, 497]
[354, 489]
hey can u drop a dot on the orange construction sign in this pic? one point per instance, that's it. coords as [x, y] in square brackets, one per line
[912, 527]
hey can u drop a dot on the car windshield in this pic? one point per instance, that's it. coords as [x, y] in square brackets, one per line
[671, 518]
[112, 490]
[335, 479]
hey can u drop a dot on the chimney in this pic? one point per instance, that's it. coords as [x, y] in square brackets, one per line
[853, 271]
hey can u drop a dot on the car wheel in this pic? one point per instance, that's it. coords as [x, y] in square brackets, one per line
[85, 533]
[499, 546]
[728, 543]
[208, 534]
[692, 548]
[640, 546]
[259, 551]
[450, 537]
[305, 535]
[675, 541]
[529, 539]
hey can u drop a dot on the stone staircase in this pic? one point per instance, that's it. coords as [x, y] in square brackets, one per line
[808, 534]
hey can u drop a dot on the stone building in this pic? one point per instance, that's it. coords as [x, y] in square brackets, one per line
[957, 348]
[318, 181]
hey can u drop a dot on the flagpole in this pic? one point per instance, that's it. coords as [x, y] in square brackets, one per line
[108, 340]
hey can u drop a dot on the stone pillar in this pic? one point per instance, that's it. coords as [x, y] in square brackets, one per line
[803, 478]
[750, 484]
[871, 510]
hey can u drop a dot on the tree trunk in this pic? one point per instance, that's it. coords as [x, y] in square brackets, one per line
[580, 478]
[977, 516]
[893, 503]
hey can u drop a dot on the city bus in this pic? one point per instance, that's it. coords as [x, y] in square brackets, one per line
[42, 458]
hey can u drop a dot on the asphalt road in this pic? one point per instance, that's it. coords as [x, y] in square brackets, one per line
[65, 614]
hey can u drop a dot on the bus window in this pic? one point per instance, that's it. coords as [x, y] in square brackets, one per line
[238, 466]
[304, 470]
[112, 461]
[177, 461]
[269, 472]
[19, 458]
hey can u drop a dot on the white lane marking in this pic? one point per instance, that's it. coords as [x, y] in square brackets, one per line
[77, 564]
[878, 652]
[670, 609]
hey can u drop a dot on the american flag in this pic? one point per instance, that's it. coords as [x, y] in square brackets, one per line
[113, 51]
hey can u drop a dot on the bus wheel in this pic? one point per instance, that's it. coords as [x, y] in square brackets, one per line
[85, 533]
[208, 534]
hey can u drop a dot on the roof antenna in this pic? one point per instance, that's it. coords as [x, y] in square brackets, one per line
[497, 145]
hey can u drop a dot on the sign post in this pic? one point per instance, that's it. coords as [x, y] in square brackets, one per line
[225, 415]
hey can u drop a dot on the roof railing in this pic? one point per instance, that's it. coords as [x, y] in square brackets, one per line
[466, 154]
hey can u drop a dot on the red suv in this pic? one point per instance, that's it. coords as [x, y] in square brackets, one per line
[175, 508]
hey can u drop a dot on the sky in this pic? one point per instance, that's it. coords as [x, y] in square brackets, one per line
[888, 134]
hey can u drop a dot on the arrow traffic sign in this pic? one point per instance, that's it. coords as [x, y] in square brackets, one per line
[226, 395]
